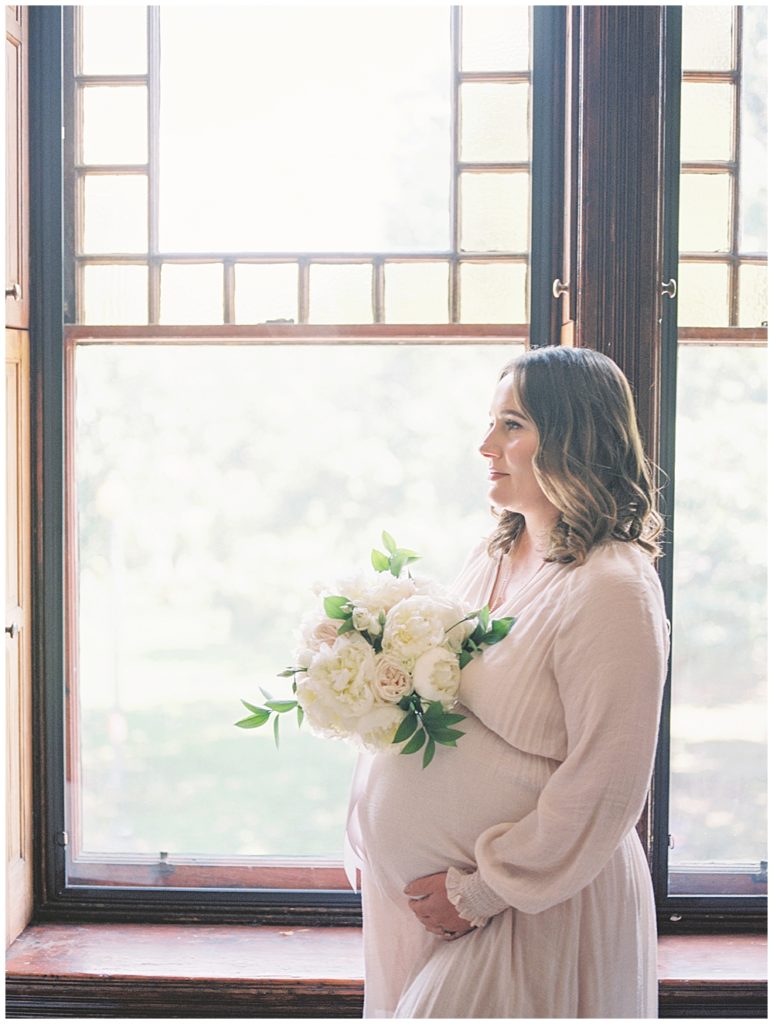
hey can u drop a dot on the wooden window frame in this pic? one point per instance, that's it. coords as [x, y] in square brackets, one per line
[611, 305]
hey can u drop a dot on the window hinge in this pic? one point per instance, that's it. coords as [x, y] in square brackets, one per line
[671, 843]
[61, 839]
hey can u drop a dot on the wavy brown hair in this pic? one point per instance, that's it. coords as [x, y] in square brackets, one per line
[590, 461]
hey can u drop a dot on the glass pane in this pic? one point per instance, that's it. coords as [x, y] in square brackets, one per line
[703, 295]
[495, 212]
[114, 40]
[192, 294]
[707, 38]
[493, 293]
[753, 295]
[115, 125]
[199, 548]
[495, 38]
[416, 293]
[340, 294]
[754, 132]
[718, 715]
[495, 122]
[348, 151]
[706, 121]
[266, 292]
[115, 294]
[704, 213]
[115, 213]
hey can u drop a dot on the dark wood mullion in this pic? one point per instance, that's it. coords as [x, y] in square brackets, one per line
[154, 119]
[72, 214]
[619, 258]
[735, 180]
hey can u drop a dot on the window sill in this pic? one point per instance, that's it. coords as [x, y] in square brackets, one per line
[116, 970]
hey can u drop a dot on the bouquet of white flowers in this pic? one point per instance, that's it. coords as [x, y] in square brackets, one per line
[382, 666]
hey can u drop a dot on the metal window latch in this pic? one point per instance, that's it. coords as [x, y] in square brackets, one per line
[668, 288]
[671, 842]
[13, 291]
[560, 288]
[762, 875]
[61, 839]
[12, 630]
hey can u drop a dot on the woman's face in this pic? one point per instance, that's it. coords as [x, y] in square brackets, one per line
[509, 447]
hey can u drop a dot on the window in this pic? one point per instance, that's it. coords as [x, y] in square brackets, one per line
[169, 391]
[226, 231]
[718, 799]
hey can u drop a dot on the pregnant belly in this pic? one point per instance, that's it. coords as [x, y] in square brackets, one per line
[416, 821]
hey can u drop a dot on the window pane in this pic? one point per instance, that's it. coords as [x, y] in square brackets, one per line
[753, 295]
[416, 293]
[718, 714]
[115, 213]
[703, 295]
[115, 125]
[191, 294]
[266, 292]
[340, 294]
[495, 122]
[707, 38]
[706, 121]
[199, 548]
[115, 294]
[495, 38]
[754, 132]
[114, 40]
[493, 293]
[704, 213]
[495, 212]
[288, 145]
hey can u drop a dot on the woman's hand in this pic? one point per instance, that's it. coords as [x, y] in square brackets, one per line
[430, 903]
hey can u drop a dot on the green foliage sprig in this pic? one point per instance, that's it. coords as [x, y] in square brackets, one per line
[395, 559]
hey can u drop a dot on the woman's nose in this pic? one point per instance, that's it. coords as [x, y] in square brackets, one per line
[487, 448]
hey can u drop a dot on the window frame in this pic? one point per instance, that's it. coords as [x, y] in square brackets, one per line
[54, 897]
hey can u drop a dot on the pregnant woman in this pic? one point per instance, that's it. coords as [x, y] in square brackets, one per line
[507, 879]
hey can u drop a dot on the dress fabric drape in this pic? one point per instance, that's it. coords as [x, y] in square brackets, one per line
[538, 804]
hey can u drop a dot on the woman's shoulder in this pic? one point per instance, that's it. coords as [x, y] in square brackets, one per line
[615, 564]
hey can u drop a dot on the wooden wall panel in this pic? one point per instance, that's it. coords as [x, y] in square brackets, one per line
[18, 689]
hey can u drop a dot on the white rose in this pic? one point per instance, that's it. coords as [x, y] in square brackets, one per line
[412, 627]
[341, 676]
[392, 681]
[376, 730]
[436, 676]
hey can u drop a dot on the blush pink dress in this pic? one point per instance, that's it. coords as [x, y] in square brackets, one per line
[534, 811]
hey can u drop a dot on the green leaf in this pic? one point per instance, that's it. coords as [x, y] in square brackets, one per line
[266, 694]
[281, 705]
[429, 752]
[253, 721]
[397, 564]
[334, 607]
[465, 657]
[379, 560]
[484, 615]
[254, 708]
[415, 743]
[453, 719]
[347, 626]
[406, 728]
[389, 542]
[477, 635]
[276, 731]
[444, 734]
[299, 713]
[433, 711]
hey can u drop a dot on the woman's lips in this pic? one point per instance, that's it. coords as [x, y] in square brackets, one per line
[493, 475]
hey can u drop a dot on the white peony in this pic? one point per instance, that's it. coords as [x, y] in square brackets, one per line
[337, 686]
[392, 681]
[376, 730]
[436, 676]
[415, 626]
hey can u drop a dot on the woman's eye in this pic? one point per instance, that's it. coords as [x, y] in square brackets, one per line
[512, 425]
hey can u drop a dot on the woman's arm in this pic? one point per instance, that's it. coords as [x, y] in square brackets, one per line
[609, 662]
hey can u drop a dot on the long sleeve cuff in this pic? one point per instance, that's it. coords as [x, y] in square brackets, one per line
[473, 900]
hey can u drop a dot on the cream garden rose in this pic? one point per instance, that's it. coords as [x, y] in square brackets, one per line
[392, 680]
